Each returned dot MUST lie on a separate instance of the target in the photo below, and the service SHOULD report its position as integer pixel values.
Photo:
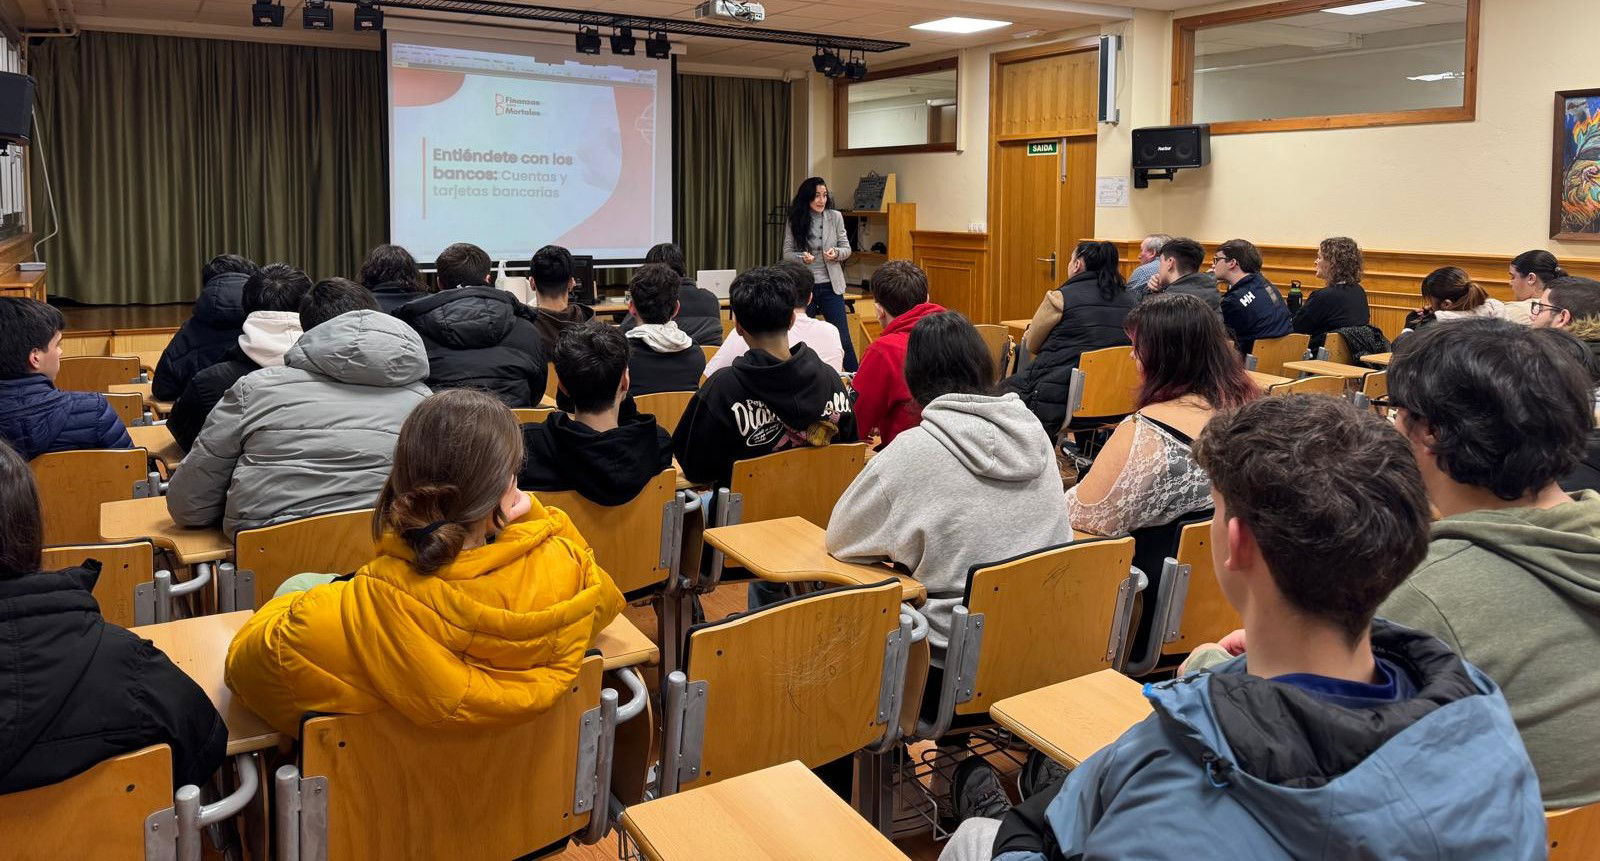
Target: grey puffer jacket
(312, 437)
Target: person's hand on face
(515, 502)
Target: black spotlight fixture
(588, 40)
(827, 62)
(622, 41)
(368, 15)
(266, 14)
(318, 16)
(856, 69)
(657, 46)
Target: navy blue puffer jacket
(218, 318)
(37, 418)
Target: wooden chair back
(710, 349)
(552, 384)
(871, 329)
(1110, 382)
(103, 813)
(123, 568)
(1574, 835)
(146, 345)
(667, 407)
(1375, 385)
(336, 543)
(795, 680)
(72, 484)
(1271, 353)
(1338, 349)
(129, 407)
(727, 326)
(96, 373)
(1309, 386)
(531, 415)
(628, 538)
(1047, 617)
(800, 482)
(398, 790)
(998, 340)
(1207, 615)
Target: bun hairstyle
(456, 453)
(1538, 262)
(1100, 260)
(1452, 289)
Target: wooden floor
(95, 317)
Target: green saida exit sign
(1044, 148)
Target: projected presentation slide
(527, 145)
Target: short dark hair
(1187, 252)
(25, 325)
(1539, 262)
(275, 287)
(21, 521)
(654, 292)
(590, 358)
(552, 271)
(899, 286)
(762, 300)
(387, 264)
(1243, 252)
(1579, 297)
(331, 297)
(800, 274)
(668, 255)
(227, 263)
(1183, 349)
(1332, 496)
(1509, 409)
(946, 355)
(462, 265)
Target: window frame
(841, 109)
(1183, 37)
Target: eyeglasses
(1536, 307)
(1220, 258)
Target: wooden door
(1027, 221)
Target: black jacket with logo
(1254, 309)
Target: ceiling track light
(317, 15)
(658, 46)
(827, 62)
(587, 41)
(368, 16)
(623, 42)
(266, 13)
(856, 68)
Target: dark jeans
(831, 305)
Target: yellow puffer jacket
(493, 637)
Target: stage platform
(99, 318)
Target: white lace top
(1159, 483)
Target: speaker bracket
(1142, 176)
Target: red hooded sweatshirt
(883, 403)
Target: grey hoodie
(1517, 592)
(976, 482)
(312, 437)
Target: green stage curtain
(732, 169)
(165, 151)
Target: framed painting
(1575, 167)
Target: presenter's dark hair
(800, 211)
(226, 263)
(946, 355)
(1100, 259)
(25, 325)
(762, 300)
(21, 524)
(654, 292)
(552, 271)
(463, 265)
(388, 264)
(331, 297)
(276, 287)
(589, 360)
(670, 255)
(800, 274)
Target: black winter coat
(1088, 322)
(480, 337)
(607, 468)
(390, 295)
(205, 391)
(1335, 306)
(38, 418)
(218, 319)
(650, 372)
(76, 690)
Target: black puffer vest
(1089, 321)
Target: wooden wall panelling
(958, 270)
(1047, 100)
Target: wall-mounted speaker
(1169, 149)
(16, 108)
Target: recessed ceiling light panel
(1374, 6)
(960, 25)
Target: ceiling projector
(730, 10)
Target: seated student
(1451, 294)
(1571, 304)
(820, 335)
(928, 501)
(1146, 475)
(210, 331)
(884, 405)
(1531, 272)
(35, 417)
(1496, 413)
(476, 336)
(700, 313)
(78, 689)
(1252, 308)
(662, 357)
(772, 398)
(606, 450)
(1084, 314)
(271, 326)
(1335, 735)
(1181, 260)
(554, 275)
(477, 610)
(1341, 304)
(314, 436)
(391, 273)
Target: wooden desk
(158, 441)
(1071, 720)
(132, 519)
(1267, 380)
(1382, 360)
(1320, 368)
(27, 285)
(160, 408)
(775, 814)
(793, 549)
(624, 645)
(1016, 328)
(199, 647)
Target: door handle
(1050, 260)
